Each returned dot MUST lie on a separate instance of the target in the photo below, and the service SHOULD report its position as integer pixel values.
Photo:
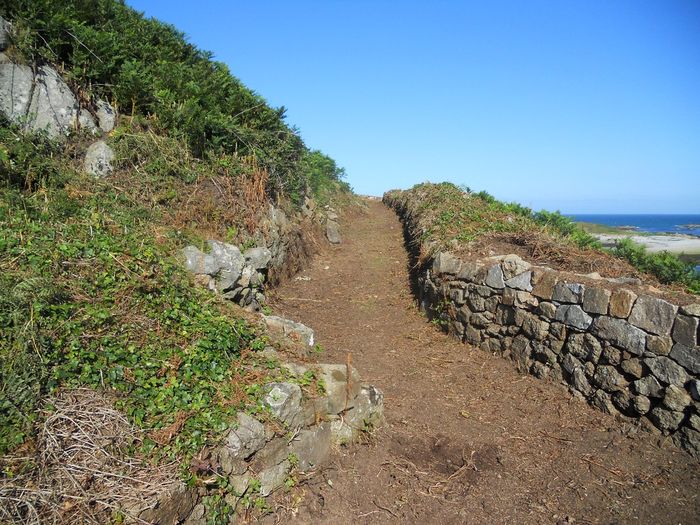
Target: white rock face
(41, 102)
(106, 118)
(98, 159)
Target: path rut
(467, 438)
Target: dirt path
(467, 439)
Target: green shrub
(665, 266)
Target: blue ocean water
(688, 224)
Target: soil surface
(467, 438)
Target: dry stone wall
(615, 343)
(258, 458)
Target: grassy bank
(456, 218)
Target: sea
(687, 224)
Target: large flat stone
(653, 315)
(284, 401)
(446, 263)
(666, 370)
(568, 292)
(620, 333)
(290, 328)
(685, 330)
(520, 282)
(494, 277)
(687, 357)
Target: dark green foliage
(459, 215)
(665, 266)
(567, 228)
(148, 69)
(88, 298)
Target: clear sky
(589, 106)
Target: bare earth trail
(467, 439)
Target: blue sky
(583, 106)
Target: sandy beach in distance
(677, 243)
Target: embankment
(626, 347)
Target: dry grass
(83, 471)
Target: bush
(665, 266)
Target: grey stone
(602, 401)
(653, 315)
(535, 328)
(513, 265)
(106, 117)
(98, 159)
(557, 331)
(595, 300)
(481, 319)
(472, 272)
(520, 352)
(446, 263)
(290, 329)
(258, 258)
(274, 477)
(689, 440)
(694, 421)
(338, 394)
(570, 363)
(491, 304)
(632, 367)
(457, 296)
(623, 402)
(53, 106)
(312, 446)
(641, 404)
(494, 277)
(520, 282)
(691, 309)
(666, 370)
(620, 333)
(539, 370)
(609, 379)
(16, 87)
(172, 505)
(580, 382)
(659, 345)
(621, 302)
(229, 261)
(568, 292)
(685, 330)
(284, 401)
(368, 412)
(676, 398)
(694, 389)
(198, 262)
(241, 442)
(648, 386)
(543, 354)
(472, 335)
(666, 420)
(197, 516)
(610, 355)
(5, 28)
(573, 315)
(476, 303)
(333, 232)
(688, 357)
(547, 310)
